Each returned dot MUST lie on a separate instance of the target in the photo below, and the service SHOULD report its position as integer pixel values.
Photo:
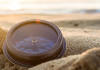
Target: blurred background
(63, 13)
(49, 6)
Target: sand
(69, 21)
(81, 32)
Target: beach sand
(81, 32)
(68, 21)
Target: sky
(27, 1)
(21, 4)
(47, 5)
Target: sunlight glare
(14, 5)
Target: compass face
(34, 38)
(34, 45)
